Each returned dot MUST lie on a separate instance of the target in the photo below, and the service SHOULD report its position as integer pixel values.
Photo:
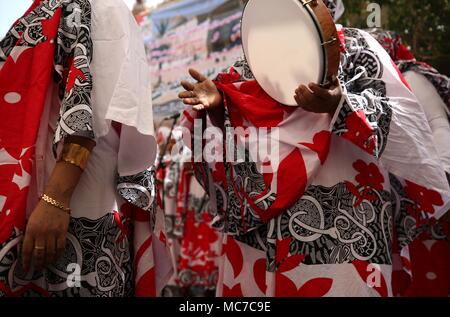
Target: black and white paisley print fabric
(139, 189)
(97, 262)
(360, 75)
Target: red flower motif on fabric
(286, 262)
(369, 178)
(316, 287)
(360, 132)
(369, 175)
(424, 198)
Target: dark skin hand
(317, 99)
(200, 95)
(204, 95)
(47, 226)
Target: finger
(302, 104)
(60, 246)
(298, 100)
(27, 250)
(50, 251)
(303, 88)
(186, 94)
(308, 96)
(198, 107)
(187, 85)
(196, 75)
(39, 253)
(305, 95)
(300, 90)
(191, 101)
(319, 91)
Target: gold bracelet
(49, 200)
(75, 154)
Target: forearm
(65, 176)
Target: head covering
(406, 61)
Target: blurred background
(424, 26)
(205, 34)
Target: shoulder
(105, 5)
(111, 19)
(110, 11)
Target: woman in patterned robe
(75, 71)
(321, 222)
(430, 277)
(200, 243)
(194, 244)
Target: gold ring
(192, 94)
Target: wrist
(50, 200)
(61, 196)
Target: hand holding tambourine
(204, 95)
(294, 53)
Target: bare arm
(46, 231)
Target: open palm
(200, 95)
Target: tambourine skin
(288, 43)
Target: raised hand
(200, 95)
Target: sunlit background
(11, 10)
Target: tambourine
(288, 43)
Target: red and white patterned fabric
(430, 251)
(195, 246)
(406, 61)
(200, 242)
(53, 85)
(321, 224)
